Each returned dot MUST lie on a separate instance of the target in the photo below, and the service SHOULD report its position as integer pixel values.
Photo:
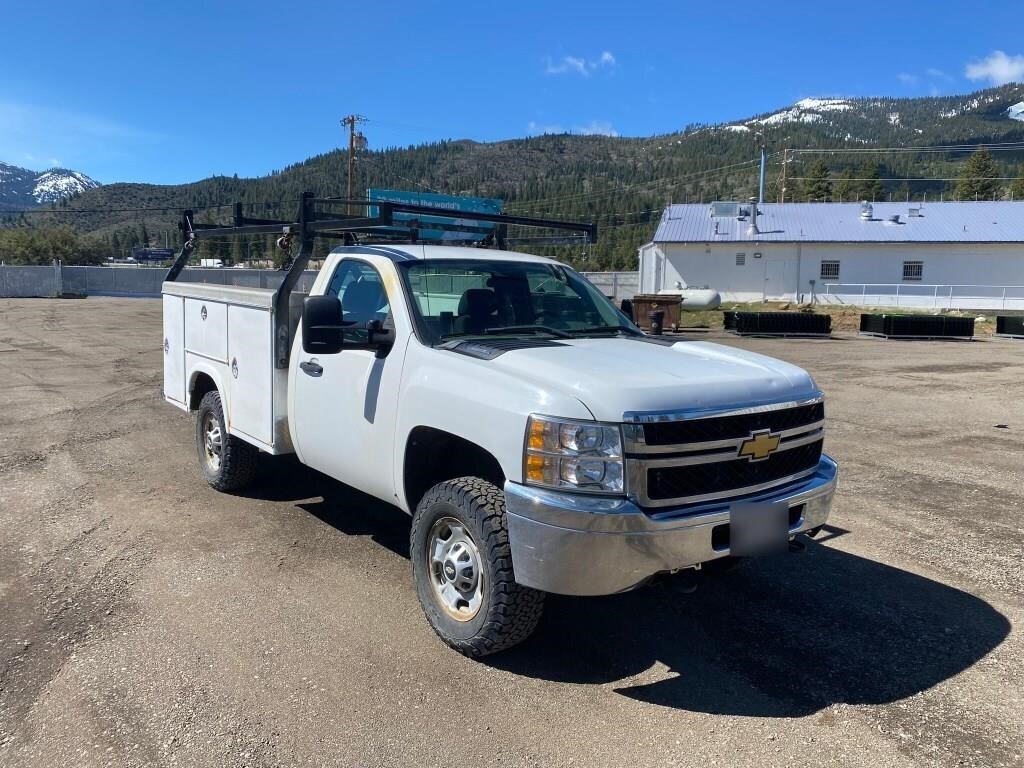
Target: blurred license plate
(758, 528)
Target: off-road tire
(509, 612)
(238, 462)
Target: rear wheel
(462, 565)
(228, 463)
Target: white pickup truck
(539, 440)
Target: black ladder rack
(310, 223)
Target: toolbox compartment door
(206, 329)
(251, 365)
(174, 349)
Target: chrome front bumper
(574, 544)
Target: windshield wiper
(605, 329)
(528, 329)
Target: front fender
(477, 402)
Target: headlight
(580, 455)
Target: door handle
(311, 367)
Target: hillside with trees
(835, 149)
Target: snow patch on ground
(1016, 112)
(823, 105)
(737, 128)
(894, 118)
(789, 116)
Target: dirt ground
(147, 620)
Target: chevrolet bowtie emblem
(760, 445)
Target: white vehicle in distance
(539, 440)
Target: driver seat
(477, 311)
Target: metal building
(948, 254)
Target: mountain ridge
(622, 183)
(22, 188)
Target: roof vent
(867, 211)
(915, 213)
(752, 229)
(894, 219)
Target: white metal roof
(946, 222)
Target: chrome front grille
(693, 457)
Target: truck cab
(539, 440)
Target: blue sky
(174, 92)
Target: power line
(1008, 146)
(902, 178)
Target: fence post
(935, 298)
(3, 281)
(58, 279)
(1004, 297)
(863, 294)
(897, 294)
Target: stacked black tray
(917, 326)
(777, 323)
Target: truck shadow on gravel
(780, 637)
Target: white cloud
(997, 68)
(57, 136)
(907, 78)
(567, 64)
(578, 65)
(938, 74)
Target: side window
(363, 298)
(913, 270)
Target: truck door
(344, 405)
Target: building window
(741, 259)
(830, 270)
(913, 270)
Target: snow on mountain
(22, 188)
(850, 117)
(804, 111)
(823, 105)
(58, 183)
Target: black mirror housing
(322, 325)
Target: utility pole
(785, 165)
(759, 138)
(356, 140)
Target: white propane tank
(695, 299)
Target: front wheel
(462, 565)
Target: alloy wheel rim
(213, 441)
(453, 562)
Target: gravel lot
(147, 620)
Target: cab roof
(420, 251)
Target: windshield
(456, 298)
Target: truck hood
(616, 376)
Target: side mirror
(322, 325)
(627, 309)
